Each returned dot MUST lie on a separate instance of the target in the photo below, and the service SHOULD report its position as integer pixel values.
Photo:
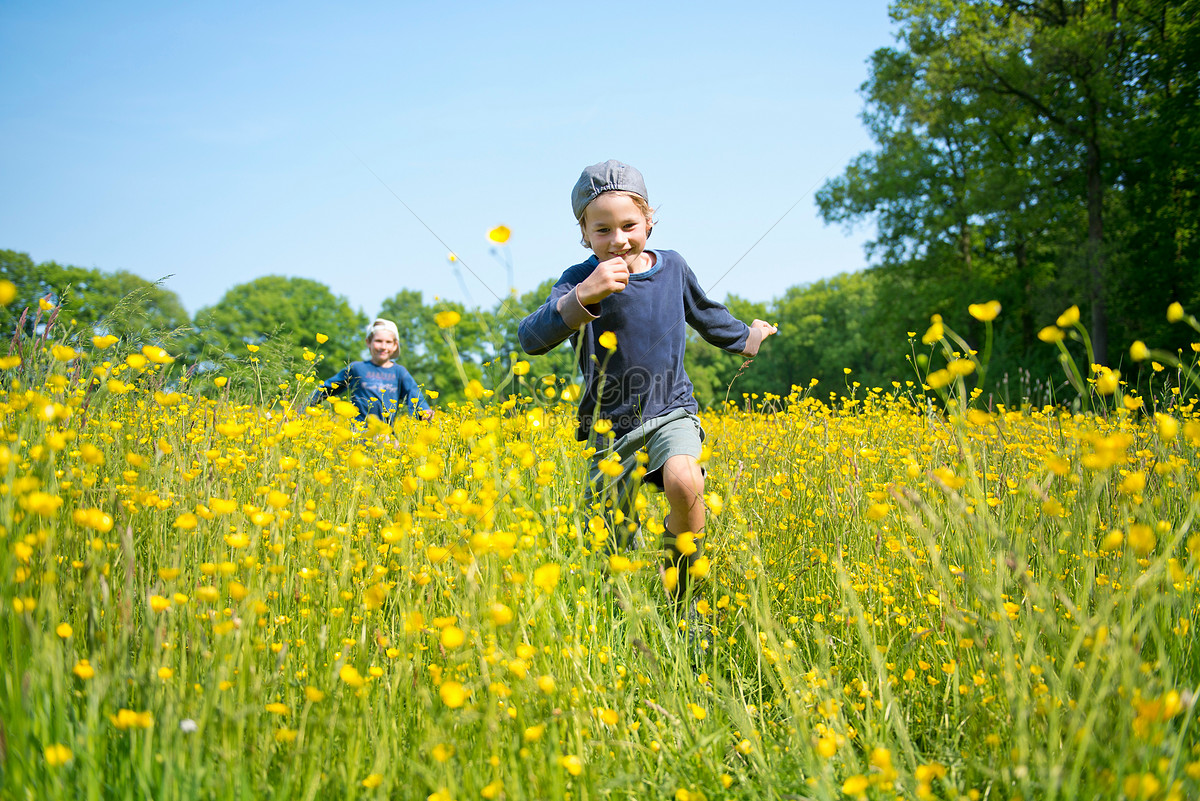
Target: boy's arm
(717, 325)
(333, 386)
(562, 315)
(413, 397)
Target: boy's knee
(683, 480)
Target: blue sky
(217, 142)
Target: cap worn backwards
(608, 176)
(381, 324)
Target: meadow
(907, 592)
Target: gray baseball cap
(608, 176)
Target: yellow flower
(985, 312)
(1069, 317)
(44, 304)
(322, 339)
(1138, 351)
(533, 734)
(1168, 426)
(1051, 334)
(453, 694)
(1133, 483)
(452, 637)
(57, 754)
(501, 614)
(63, 353)
(159, 603)
(351, 676)
(520, 368)
(1142, 539)
(128, 719)
(372, 780)
(313, 694)
(939, 378)
(611, 466)
(546, 577)
(1107, 381)
(8, 292)
(961, 367)
(83, 669)
(277, 708)
(64, 630)
(608, 340)
(156, 354)
(447, 319)
(935, 331)
(670, 578)
(1174, 313)
(104, 342)
(499, 234)
(220, 381)
(572, 764)
(699, 712)
(855, 785)
(41, 503)
(451, 257)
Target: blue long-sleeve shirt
(644, 377)
(375, 390)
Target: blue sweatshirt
(644, 377)
(375, 390)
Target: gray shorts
(676, 433)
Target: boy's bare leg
(683, 484)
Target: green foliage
(1039, 153)
(93, 302)
(283, 314)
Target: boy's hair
(642, 204)
(381, 324)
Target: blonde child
(623, 310)
(378, 387)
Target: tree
(282, 316)
(1027, 150)
(92, 301)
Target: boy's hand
(766, 328)
(608, 277)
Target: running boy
(623, 310)
(379, 387)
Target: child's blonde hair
(642, 204)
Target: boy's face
(614, 226)
(383, 347)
